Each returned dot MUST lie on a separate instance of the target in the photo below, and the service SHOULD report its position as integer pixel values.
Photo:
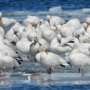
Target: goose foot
(79, 70)
(27, 59)
(82, 72)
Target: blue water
(42, 5)
(50, 87)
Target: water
(50, 87)
(32, 76)
(42, 5)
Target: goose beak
(49, 20)
(35, 25)
(34, 41)
(78, 35)
(37, 51)
(60, 42)
(40, 22)
(0, 18)
(87, 23)
(85, 29)
(46, 50)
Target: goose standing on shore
(6, 22)
(34, 47)
(79, 59)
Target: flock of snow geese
(44, 40)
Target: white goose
(59, 46)
(54, 19)
(88, 20)
(4, 47)
(82, 47)
(26, 31)
(67, 30)
(32, 20)
(75, 23)
(49, 59)
(23, 46)
(11, 35)
(34, 47)
(6, 22)
(48, 34)
(10, 44)
(79, 59)
(7, 62)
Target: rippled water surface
(42, 5)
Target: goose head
(15, 29)
(45, 49)
(36, 39)
(48, 18)
(0, 16)
(40, 49)
(35, 24)
(53, 28)
(13, 21)
(88, 22)
(77, 35)
(6, 42)
(84, 25)
(58, 38)
(28, 27)
(41, 21)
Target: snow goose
(82, 47)
(10, 44)
(88, 20)
(23, 46)
(11, 35)
(4, 47)
(79, 59)
(26, 31)
(6, 22)
(75, 23)
(50, 60)
(54, 19)
(32, 34)
(59, 46)
(48, 34)
(67, 30)
(84, 25)
(7, 62)
(34, 47)
(80, 31)
(32, 20)
(44, 48)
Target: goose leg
(82, 72)
(4, 72)
(0, 73)
(49, 73)
(79, 70)
(27, 59)
(5, 30)
(52, 70)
